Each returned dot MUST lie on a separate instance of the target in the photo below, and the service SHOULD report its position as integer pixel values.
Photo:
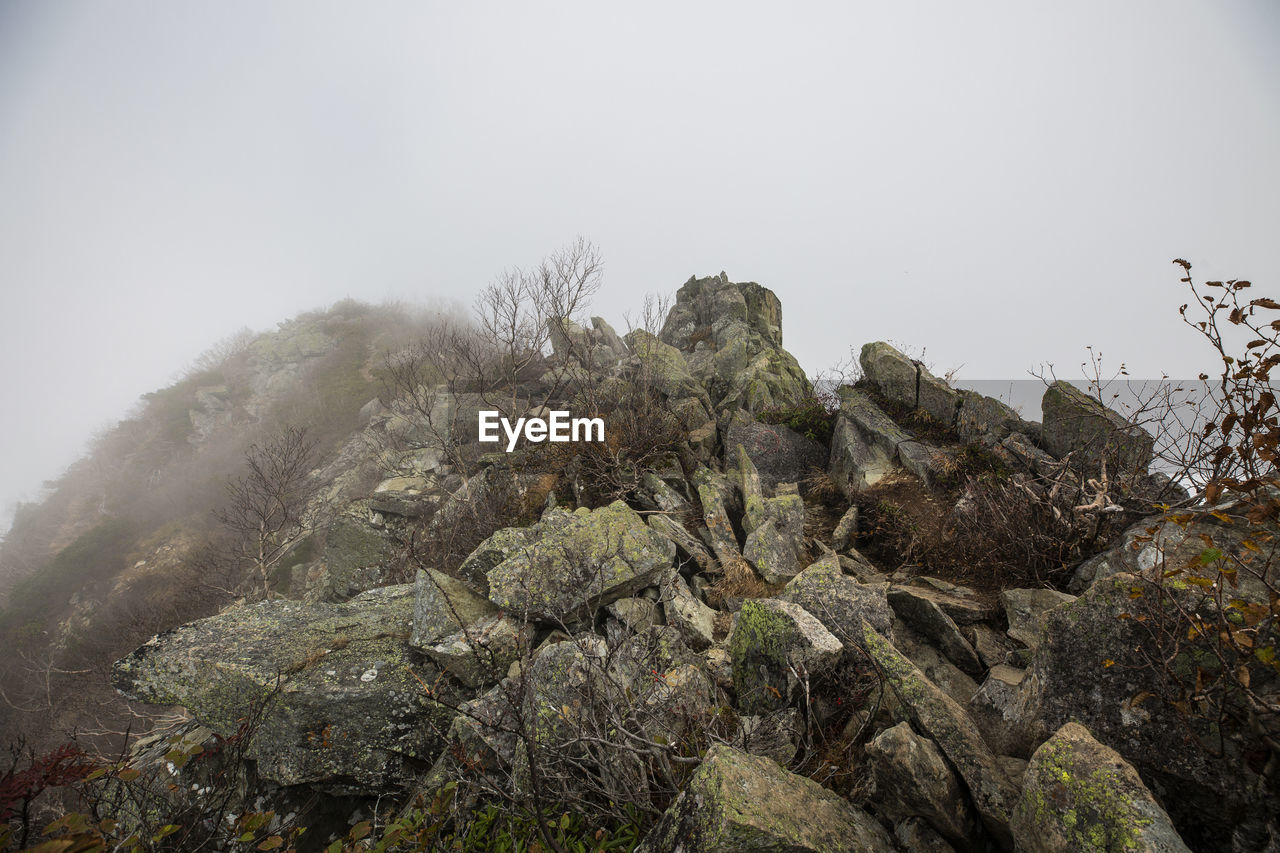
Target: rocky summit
(892, 616)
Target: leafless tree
(269, 508)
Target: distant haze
(999, 183)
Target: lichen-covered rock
(442, 605)
(686, 613)
(502, 544)
(913, 779)
(1079, 795)
(578, 562)
(779, 453)
(1076, 423)
(945, 722)
(731, 334)
(480, 654)
(1090, 667)
(1025, 609)
(737, 803)
(771, 640)
(688, 547)
(344, 707)
(924, 614)
(774, 526)
(864, 443)
(716, 495)
(908, 383)
(839, 602)
(355, 557)
(981, 416)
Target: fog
(998, 184)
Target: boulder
(716, 495)
(779, 453)
(1076, 423)
(907, 382)
(924, 614)
(578, 562)
(1079, 795)
(770, 642)
(735, 803)
(355, 556)
(839, 602)
(480, 654)
(731, 334)
(864, 443)
(913, 779)
(774, 526)
(980, 416)
(1025, 608)
(1092, 667)
(342, 699)
(945, 722)
(686, 613)
(442, 605)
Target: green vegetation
(813, 417)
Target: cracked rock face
(342, 704)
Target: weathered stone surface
(958, 603)
(916, 835)
(442, 605)
(846, 529)
(913, 779)
(735, 803)
(480, 654)
(1076, 423)
(908, 383)
(716, 495)
(945, 722)
(731, 334)
(686, 613)
(769, 640)
(864, 443)
(774, 526)
(771, 735)
(578, 562)
(927, 617)
(993, 647)
(403, 504)
(687, 545)
(355, 556)
(839, 602)
(1089, 669)
(1025, 609)
(981, 416)
(636, 613)
(779, 453)
(1079, 795)
(344, 706)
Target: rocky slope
(762, 640)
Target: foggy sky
(1001, 184)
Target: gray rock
(686, 613)
(912, 779)
(945, 722)
(1081, 795)
(344, 708)
(442, 605)
(846, 529)
(578, 562)
(1076, 423)
(839, 602)
(917, 836)
(1025, 609)
(864, 443)
(779, 453)
(924, 614)
(480, 654)
(770, 642)
(908, 383)
(736, 802)
(981, 416)
(687, 545)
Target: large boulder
(774, 526)
(442, 605)
(342, 702)
(912, 779)
(735, 803)
(839, 602)
(1079, 795)
(731, 334)
(943, 720)
(779, 453)
(1078, 424)
(579, 561)
(906, 382)
(770, 643)
(864, 443)
(1098, 664)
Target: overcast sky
(1001, 184)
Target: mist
(996, 186)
